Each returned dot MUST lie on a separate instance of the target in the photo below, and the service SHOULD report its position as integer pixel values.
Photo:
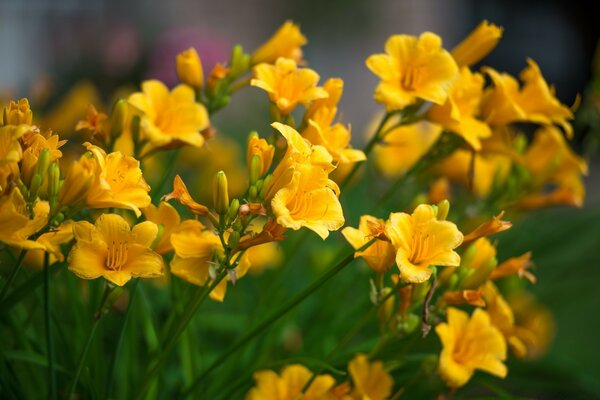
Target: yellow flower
(553, 165)
(380, 255)
(51, 242)
(534, 102)
(77, 181)
(286, 42)
(18, 113)
(480, 260)
(470, 344)
(371, 380)
(413, 68)
(167, 218)
(534, 324)
(260, 147)
(169, 117)
(34, 143)
(460, 111)
(288, 385)
(320, 129)
(287, 85)
(180, 193)
(95, 122)
(10, 153)
(111, 249)
(189, 68)
(15, 224)
(404, 146)
(421, 240)
(196, 250)
(302, 194)
(480, 42)
(515, 266)
(118, 181)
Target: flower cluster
(446, 126)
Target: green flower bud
(443, 209)
(234, 240)
(221, 193)
(266, 183)
(252, 193)
(255, 167)
(43, 162)
(233, 209)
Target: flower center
(117, 255)
(409, 79)
(420, 247)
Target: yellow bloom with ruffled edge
(413, 68)
(288, 385)
(301, 194)
(371, 380)
(286, 42)
(169, 117)
(17, 113)
(535, 101)
(10, 153)
(196, 249)
(380, 255)
(321, 130)
(404, 146)
(34, 142)
(480, 42)
(261, 148)
(459, 114)
(111, 249)
(470, 344)
(421, 241)
(189, 68)
(118, 181)
(287, 85)
(16, 227)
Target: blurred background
(96, 48)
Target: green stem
(49, 342)
(82, 358)
(185, 319)
(113, 361)
(13, 274)
(266, 323)
(81, 362)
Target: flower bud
(36, 182)
(43, 162)
(260, 147)
(240, 61)
(117, 118)
(189, 68)
(221, 193)
(234, 240)
(135, 129)
(53, 184)
(255, 168)
(265, 187)
(233, 209)
(252, 193)
(443, 210)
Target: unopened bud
(252, 193)
(443, 209)
(117, 118)
(34, 187)
(53, 184)
(233, 209)
(266, 183)
(234, 240)
(240, 61)
(135, 129)
(221, 193)
(189, 68)
(43, 162)
(255, 168)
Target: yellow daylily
(167, 218)
(288, 385)
(180, 193)
(534, 102)
(11, 153)
(421, 240)
(118, 181)
(470, 344)
(34, 142)
(16, 227)
(552, 163)
(111, 249)
(286, 42)
(18, 113)
(169, 117)
(301, 193)
(262, 148)
(51, 242)
(460, 111)
(480, 42)
(320, 129)
(287, 85)
(370, 380)
(413, 68)
(380, 255)
(490, 227)
(189, 68)
(196, 249)
(515, 266)
(480, 260)
(404, 146)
